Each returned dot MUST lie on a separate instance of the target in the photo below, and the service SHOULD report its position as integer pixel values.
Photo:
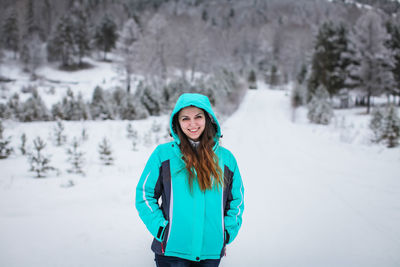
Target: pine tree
(14, 106)
(106, 35)
(375, 124)
(34, 109)
(252, 80)
(393, 43)
(100, 107)
(61, 45)
(319, 108)
(59, 136)
(372, 73)
(5, 150)
(40, 163)
(22, 147)
(81, 34)
(329, 62)
(75, 157)
(132, 135)
(149, 99)
(71, 108)
(391, 127)
(11, 33)
(105, 152)
(130, 132)
(84, 135)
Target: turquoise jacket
(191, 225)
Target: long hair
(201, 161)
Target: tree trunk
(368, 102)
(128, 82)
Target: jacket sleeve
(147, 194)
(233, 217)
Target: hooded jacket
(191, 225)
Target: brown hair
(200, 161)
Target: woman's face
(192, 121)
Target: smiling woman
(192, 122)
(200, 186)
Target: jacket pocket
(164, 239)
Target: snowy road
(309, 201)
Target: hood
(196, 100)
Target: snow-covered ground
(314, 195)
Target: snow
(53, 83)
(312, 197)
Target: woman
(200, 187)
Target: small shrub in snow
(22, 147)
(156, 127)
(147, 139)
(84, 135)
(5, 150)
(105, 152)
(320, 109)
(60, 137)
(391, 127)
(375, 124)
(75, 157)
(40, 163)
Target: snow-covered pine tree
(319, 108)
(329, 62)
(10, 32)
(105, 152)
(106, 35)
(252, 80)
(71, 108)
(127, 49)
(75, 157)
(14, 106)
(84, 135)
(100, 107)
(391, 127)
(34, 109)
(5, 149)
(148, 138)
(59, 137)
(156, 129)
(372, 74)
(129, 109)
(132, 135)
(376, 124)
(22, 147)
(40, 163)
(130, 132)
(149, 98)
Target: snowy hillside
(314, 196)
